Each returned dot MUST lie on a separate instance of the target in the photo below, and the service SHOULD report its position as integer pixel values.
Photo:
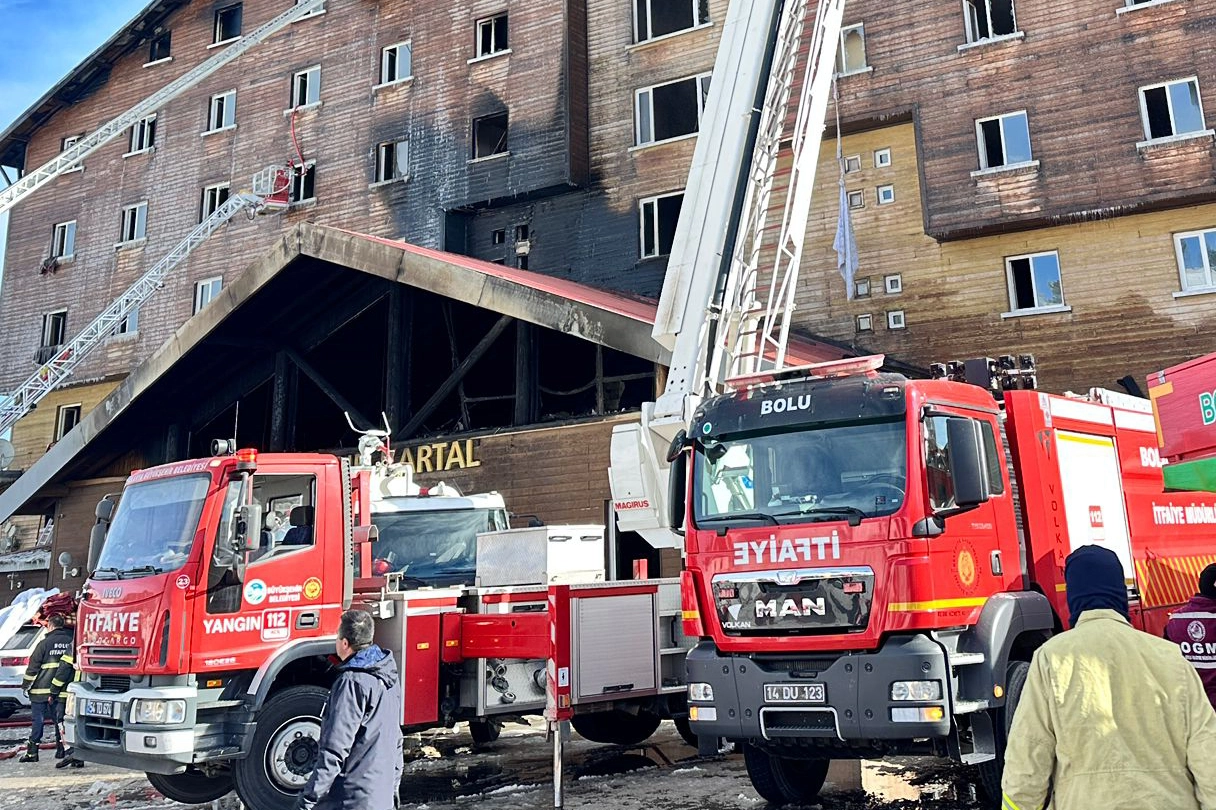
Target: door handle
(308, 620)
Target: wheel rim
(292, 753)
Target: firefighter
(1193, 628)
(50, 669)
(1109, 717)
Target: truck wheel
(192, 787)
(484, 731)
(781, 781)
(1002, 721)
(616, 727)
(284, 749)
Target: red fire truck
(216, 589)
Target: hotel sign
(442, 456)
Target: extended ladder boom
(71, 157)
(60, 367)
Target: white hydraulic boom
(71, 157)
(721, 313)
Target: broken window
(143, 135)
(498, 237)
(158, 47)
(63, 240)
(206, 291)
(522, 233)
(658, 18)
(227, 23)
(67, 418)
(134, 222)
(851, 58)
(54, 329)
(490, 136)
(671, 110)
(1172, 108)
(1196, 259)
(392, 160)
(222, 112)
(1034, 281)
(1003, 140)
(492, 36)
(129, 324)
(396, 63)
(303, 183)
(213, 197)
(986, 19)
(306, 87)
(659, 217)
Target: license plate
(795, 693)
(99, 708)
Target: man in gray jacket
(359, 760)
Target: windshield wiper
(765, 516)
(140, 571)
(855, 515)
(111, 573)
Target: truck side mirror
(105, 509)
(967, 466)
(248, 527)
(677, 492)
(97, 535)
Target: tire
(284, 749)
(781, 781)
(1002, 722)
(616, 727)
(484, 731)
(685, 728)
(192, 787)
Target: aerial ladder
(724, 312)
(269, 193)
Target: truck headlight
(916, 690)
(158, 711)
(700, 691)
(69, 705)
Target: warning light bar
(247, 459)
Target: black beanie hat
(1094, 579)
(1207, 582)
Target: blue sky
(43, 41)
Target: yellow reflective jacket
(1111, 719)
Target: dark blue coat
(360, 758)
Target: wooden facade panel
(30, 434)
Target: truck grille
(103, 731)
(112, 657)
(114, 683)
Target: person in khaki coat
(1110, 717)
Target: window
(63, 240)
(893, 284)
(865, 323)
(134, 222)
(392, 161)
(1003, 140)
(1196, 259)
(54, 329)
(987, 19)
(851, 57)
(66, 418)
(861, 288)
(213, 197)
(206, 291)
(659, 217)
(658, 18)
(852, 163)
(857, 199)
(498, 237)
(306, 87)
(490, 136)
(143, 135)
(886, 195)
(671, 110)
(158, 47)
(1171, 109)
(221, 113)
(492, 36)
(129, 325)
(303, 183)
(227, 23)
(882, 158)
(68, 142)
(895, 319)
(1034, 281)
(522, 233)
(521, 262)
(396, 63)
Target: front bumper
(13, 698)
(857, 703)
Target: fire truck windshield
(153, 528)
(434, 547)
(832, 472)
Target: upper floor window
(306, 87)
(392, 161)
(159, 47)
(1003, 140)
(303, 183)
(988, 19)
(54, 329)
(129, 325)
(1196, 253)
(206, 291)
(67, 417)
(213, 197)
(658, 18)
(490, 135)
(227, 23)
(1034, 281)
(659, 217)
(492, 36)
(671, 110)
(1171, 108)
(143, 135)
(63, 240)
(221, 112)
(851, 58)
(134, 222)
(396, 63)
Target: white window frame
(61, 412)
(981, 142)
(1208, 270)
(1011, 286)
(842, 68)
(157, 60)
(211, 201)
(206, 291)
(297, 177)
(134, 223)
(395, 50)
(46, 323)
(643, 98)
(885, 195)
(1174, 134)
(221, 112)
(142, 136)
(882, 158)
(217, 29)
(66, 143)
(68, 240)
(896, 319)
(494, 49)
(972, 31)
(312, 88)
(128, 326)
(654, 227)
(392, 161)
(695, 17)
(852, 163)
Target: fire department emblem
(1196, 631)
(312, 588)
(964, 567)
